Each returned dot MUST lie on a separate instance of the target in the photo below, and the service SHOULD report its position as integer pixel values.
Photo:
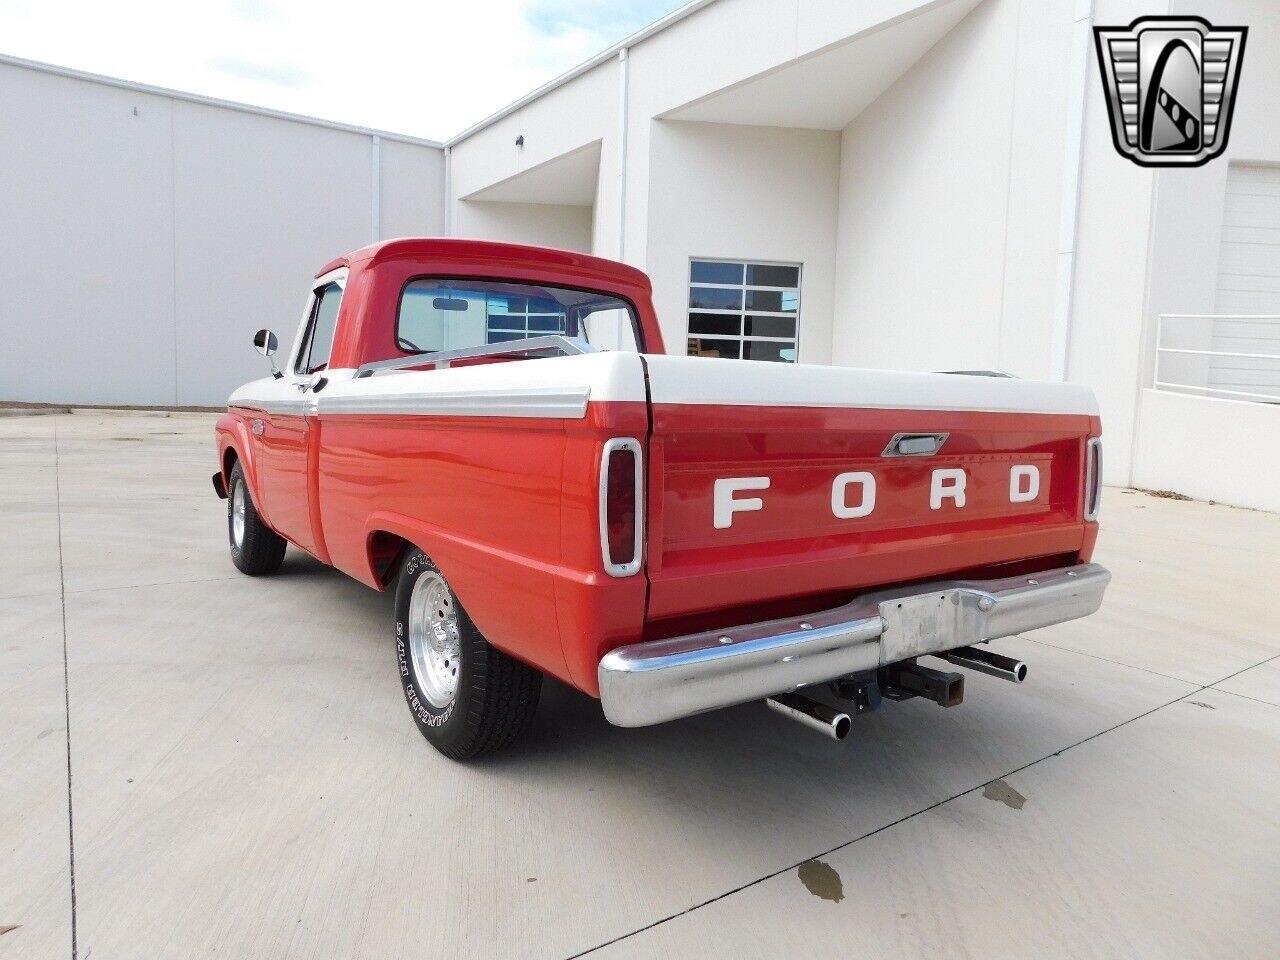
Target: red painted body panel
(796, 545)
(508, 509)
(284, 485)
(508, 506)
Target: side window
(609, 328)
(318, 343)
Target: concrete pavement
(245, 780)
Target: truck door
(283, 454)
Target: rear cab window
(441, 313)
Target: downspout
(448, 191)
(623, 65)
(1069, 216)
(375, 166)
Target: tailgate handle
(915, 444)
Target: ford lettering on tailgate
(854, 493)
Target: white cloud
(428, 68)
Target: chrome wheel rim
(435, 651)
(237, 515)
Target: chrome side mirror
(265, 342)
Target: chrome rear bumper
(661, 680)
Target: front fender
(234, 433)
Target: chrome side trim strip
(662, 680)
(284, 408)
(549, 402)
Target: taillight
(1093, 479)
(621, 507)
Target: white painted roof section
(211, 101)
(674, 17)
(704, 380)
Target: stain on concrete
(821, 879)
(1166, 494)
(5, 928)
(1001, 792)
(1201, 703)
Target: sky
(429, 69)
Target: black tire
(260, 549)
(493, 696)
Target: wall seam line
(1008, 191)
(173, 236)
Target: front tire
(467, 697)
(256, 549)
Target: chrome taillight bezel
(1093, 479)
(631, 567)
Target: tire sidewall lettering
(423, 712)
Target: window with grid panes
(744, 310)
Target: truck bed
(501, 461)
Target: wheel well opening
(385, 553)
(229, 460)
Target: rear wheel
(256, 549)
(467, 697)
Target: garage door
(1248, 299)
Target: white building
(923, 185)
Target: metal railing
(1234, 356)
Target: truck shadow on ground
(717, 774)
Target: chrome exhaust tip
(984, 661)
(811, 713)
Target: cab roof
(436, 252)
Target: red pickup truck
(496, 431)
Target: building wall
(1112, 246)
(924, 190)
(718, 47)
(540, 224)
(579, 113)
(146, 237)
(86, 249)
(1209, 448)
(411, 190)
(743, 193)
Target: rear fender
(510, 598)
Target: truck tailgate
(799, 428)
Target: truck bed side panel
(506, 504)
